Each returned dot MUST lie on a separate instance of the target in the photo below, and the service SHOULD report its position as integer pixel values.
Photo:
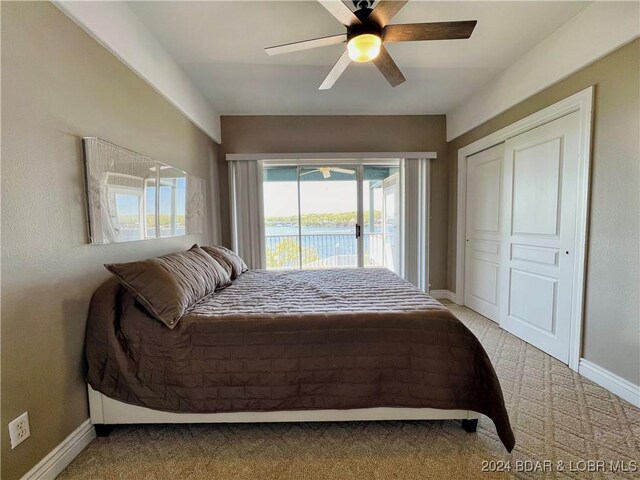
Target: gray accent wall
(611, 333)
(58, 85)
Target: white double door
(521, 234)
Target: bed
(317, 345)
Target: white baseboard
(612, 382)
(57, 460)
(443, 295)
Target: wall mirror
(131, 197)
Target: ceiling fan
(368, 30)
(326, 171)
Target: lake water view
(321, 246)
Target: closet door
(484, 231)
(541, 175)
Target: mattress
(289, 340)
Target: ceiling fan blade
(348, 171)
(306, 44)
(412, 32)
(340, 66)
(339, 10)
(388, 67)
(385, 11)
(310, 171)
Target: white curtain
(416, 221)
(247, 217)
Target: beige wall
(612, 309)
(295, 134)
(59, 85)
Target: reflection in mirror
(150, 206)
(173, 183)
(132, 197)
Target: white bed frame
(107, 411)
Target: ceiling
(219, 44)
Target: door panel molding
(489, 297)
(579, 102)
(537, 218)
(531, 311)
(487, 246)
(535, 254)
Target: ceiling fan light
(364, 48)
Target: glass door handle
(358, 231)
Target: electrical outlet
(19, 430)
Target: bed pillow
(230, 260)
(168, 286)
(223, 279)
(221, 258)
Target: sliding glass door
(382, 221)
(281, 217)
(332, 215)
(329, 216)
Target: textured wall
(612, 310)
(295, 134)
(58, 85)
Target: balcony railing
(323, 250)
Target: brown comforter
(326, 339)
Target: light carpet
(556, 414)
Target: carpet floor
(557, 416)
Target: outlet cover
(19, 430)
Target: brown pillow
(168, 286)
(221, 258)
(230, 260)
(223, 279)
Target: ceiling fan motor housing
(364, 28)
(363, 4)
